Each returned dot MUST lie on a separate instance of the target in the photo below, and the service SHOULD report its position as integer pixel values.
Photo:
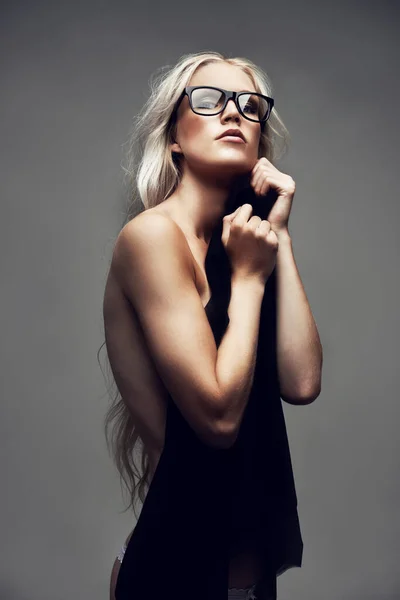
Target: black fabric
(204, 504)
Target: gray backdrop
(72, 78)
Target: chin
(236, 167)
(224, 165)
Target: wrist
(254, 283)
(283, 235)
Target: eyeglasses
(208, 100)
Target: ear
(175, 147)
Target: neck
(199, 203)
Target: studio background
(73, 75)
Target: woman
(163, 344)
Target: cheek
(256, 137)
(256, 144)
(196, 135)
(198, 130)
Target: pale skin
(209, 168)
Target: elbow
(218, 431)
(302, 394)
(302, 399)
(219, 434)
(312, 393)
(224, 434)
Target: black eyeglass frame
(228, 95)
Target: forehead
(224, 75)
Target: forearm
(237, 352)
(299, 349)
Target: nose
(231, 110)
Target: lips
(232, 132)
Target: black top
(205, 504)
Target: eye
(206, 99)
(205, 103)
(251, 106)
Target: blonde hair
(153, 172)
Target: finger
(264, 227)
(263, 162)
(243, 215)
(264, 187)
(258, 179)
(276, 184)
(226, 225)
(231, 216)
(254, 222)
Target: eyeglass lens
(208, 101)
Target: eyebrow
(248, 92)
(217, 86)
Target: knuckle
(291, 183)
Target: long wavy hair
(152, 173)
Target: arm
(209, 386)
(299, 349)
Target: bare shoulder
(152, 231)
(151, 221)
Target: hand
(250, 244)
(265, 176)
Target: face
(197, 135)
